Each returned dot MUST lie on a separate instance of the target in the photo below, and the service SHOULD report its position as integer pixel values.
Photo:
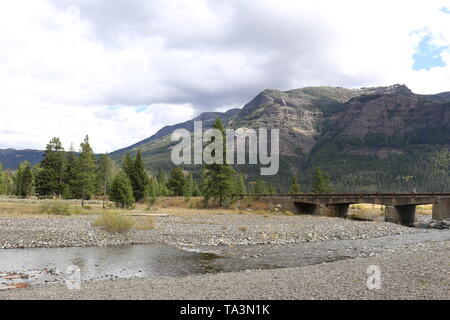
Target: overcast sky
(119, 70)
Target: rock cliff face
(368, 139)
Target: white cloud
(71, 67)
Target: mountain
(369, 139)
(377, 139)
(10, 158)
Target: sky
(119, 70)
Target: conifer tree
(70, 174)
(321, 182)
(23, 180)
(104, 175)
(50, 178)
(85, 177)
(150, 191)
(196, 189)
(2, 181)
(177, 182)
(219, 179)
(189, 185)
(240, 185)
(121, 192)
(260, 187)
(139, 178)
(295, 187)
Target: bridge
(400, 207)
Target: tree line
(81, 175)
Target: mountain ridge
(368, 138)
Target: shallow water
(23, 267)
(46, 265)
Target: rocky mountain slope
(368, 139)
(10, 158)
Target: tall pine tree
(219, 179)
(50, 178)
(321, 182)
(85, 177)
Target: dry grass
(366, 208)
(425, 209)
(144, 223)
(114, 222)
(180, 206)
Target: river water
(47, 265)
(24, 267)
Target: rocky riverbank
(191, 231)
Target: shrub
(113, 222)
(56, 207)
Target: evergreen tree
(240, 185)
(139, 178)
(2, 181)
(219, 179)
(50, 179)
(295, 187)
(85, 177)
(128, 166)
(23, 180)
(121, 192)
(271, 188)
(150, 191)
(177, 182)
(196, 189)
(189, 185)
(321, 182)
(260, 187)
(104, 175)
(70, 175)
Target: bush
(114, 222)
(56, 207)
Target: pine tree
(150, 191)
(70, 175)
(128, 165)
(196, 189)
(49, 181)
(321, 182)
(139, 178)
(2, 181)
(260, 187)
(104, 176)
(177, 182)
(189, 185)
(271, 188)
(295, 187)
(121, 192)
(219, 179)
(240, 185)
(23, 180)
(85, 177)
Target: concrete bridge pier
(441, 209)
(404, 214)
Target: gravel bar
(192, 231)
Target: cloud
(119, 70)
